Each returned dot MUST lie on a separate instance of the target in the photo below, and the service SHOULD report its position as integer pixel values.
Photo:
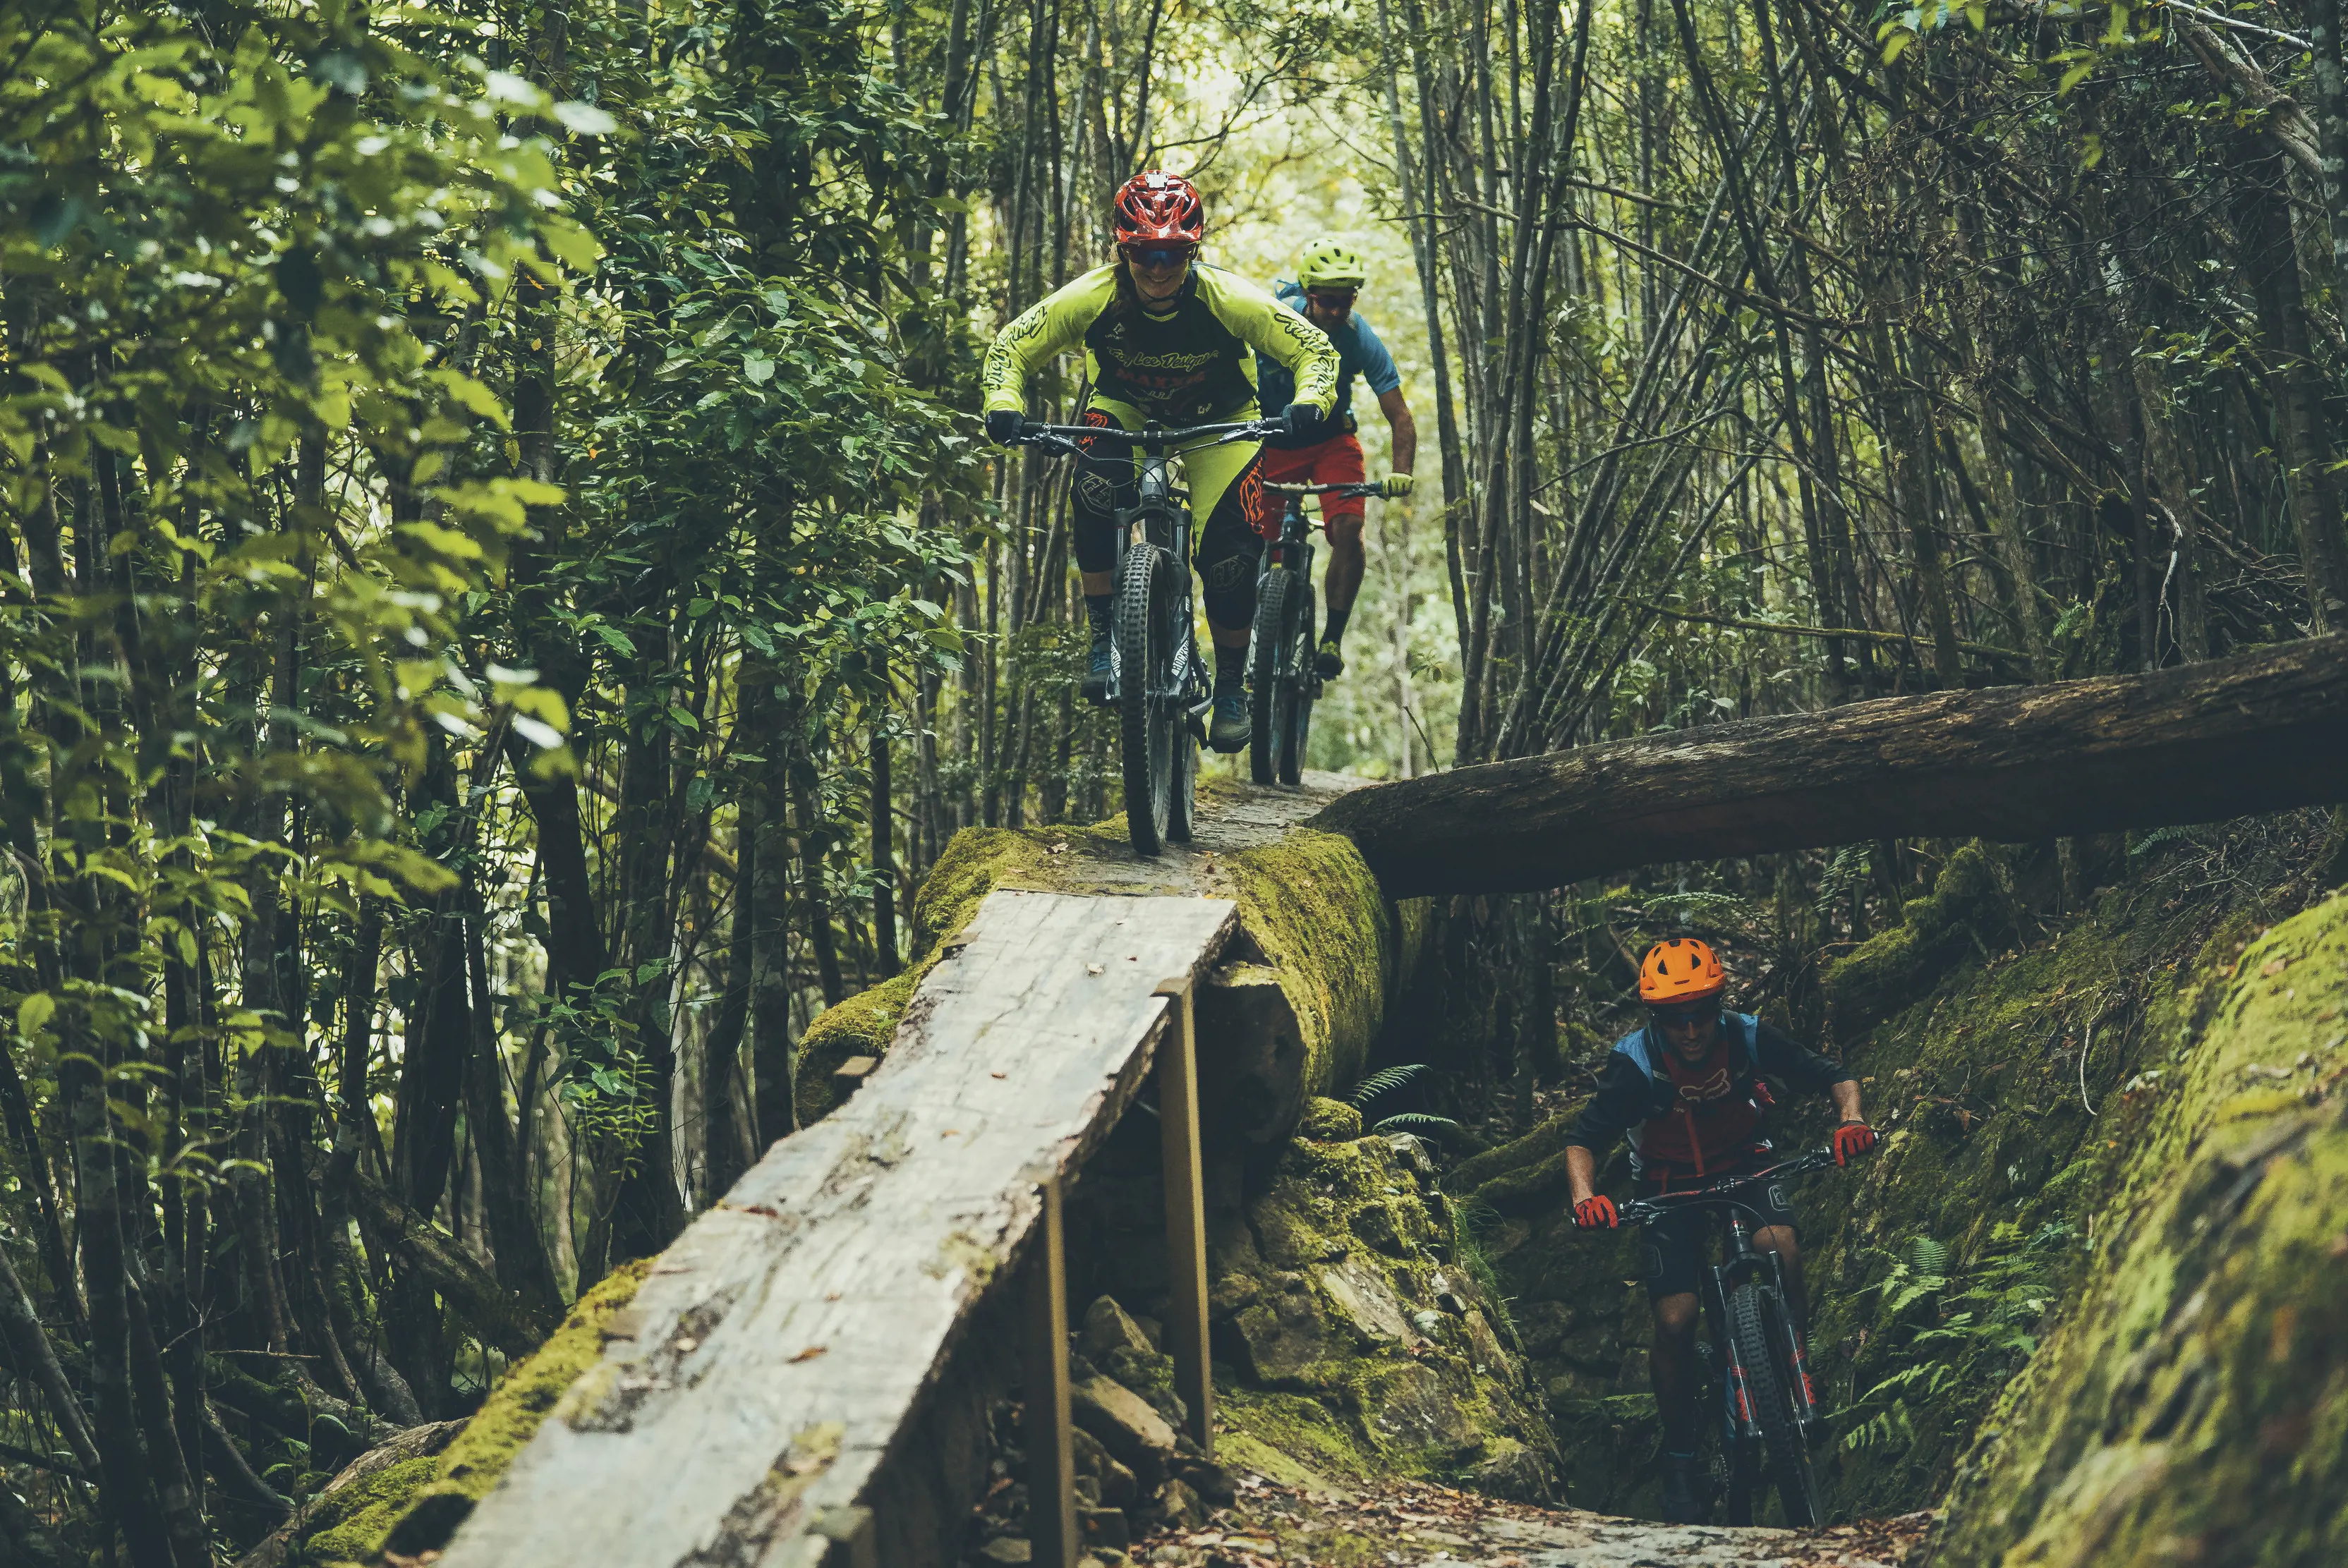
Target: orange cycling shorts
(1336, 461)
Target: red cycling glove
(1596, 1214)
(1851, 1140)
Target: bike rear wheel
(1147, 720)
(1294, 719)
(1273, 591)
(1765, 1345)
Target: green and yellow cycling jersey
(1191, 364)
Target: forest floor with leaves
(1409, 1523)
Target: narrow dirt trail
(1406, 1524)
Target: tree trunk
(2262, 209)
(2197, 743)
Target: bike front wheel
(1764, 1342)
(1272, 592)
(1293, 719)
(1146, 718)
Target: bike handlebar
(1064, 437)
(1639, 1211)
(1368, 489)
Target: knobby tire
(1145, 729)
(1271, 594)
(1763, 1342)
(1294, 721)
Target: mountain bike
(1759, 1364)
(1282, 681)
(1156, 681)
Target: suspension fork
(1744, 1420)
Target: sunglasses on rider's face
(1336, 303)
(1687, 1013)
(1159, 256)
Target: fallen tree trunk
(2263, 731)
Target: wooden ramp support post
(1047, 1423)
(1186, 1211)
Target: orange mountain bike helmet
(1156, 208)
(1680, 969)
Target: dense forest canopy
(504, 594)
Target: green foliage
(1386, 1081)
(1441, 1128)
(1975, 1328)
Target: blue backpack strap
(1749, 1029)
(1634, 1046)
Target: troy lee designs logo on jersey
(1161, 361)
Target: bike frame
(1159, 516)
(1744, 1262)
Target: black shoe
(1096, 685)
(1682, 1499)
(1329, 663)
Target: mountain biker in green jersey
(1687, 1091)
(1329, 275)
(1169, 339)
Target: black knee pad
(1100, 488)
(1229, 554)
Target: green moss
(1532, 1149)
(1312, 905)
(1966, 913)
(1329, 1121)
(861, 1025)
(349, 1525)
(508, 1420)
(1352, 1304)
(2192, 1400)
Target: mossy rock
(2191, 1403)
(416, 1505)
(1329, 1121)
(1357, 1337)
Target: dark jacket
(1689, 1123)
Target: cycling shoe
(1095, 686)
(1231, 728)
(1681, 1502)
(1329, 663)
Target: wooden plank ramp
(776, 1360)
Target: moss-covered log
(2192, 1404)
(1292, 1015)
(412, 1505)
(2197, 744)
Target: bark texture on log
(2263, 731)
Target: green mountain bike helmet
(1330, 263)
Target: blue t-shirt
(1359, 352)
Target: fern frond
(1386, 1081)
(1425, 1126)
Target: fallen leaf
(811, 1352)
(996, 1075)
(1092, 968)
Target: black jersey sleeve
(1803, 1070)
(1619, 1104)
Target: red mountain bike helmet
(1155, 207)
